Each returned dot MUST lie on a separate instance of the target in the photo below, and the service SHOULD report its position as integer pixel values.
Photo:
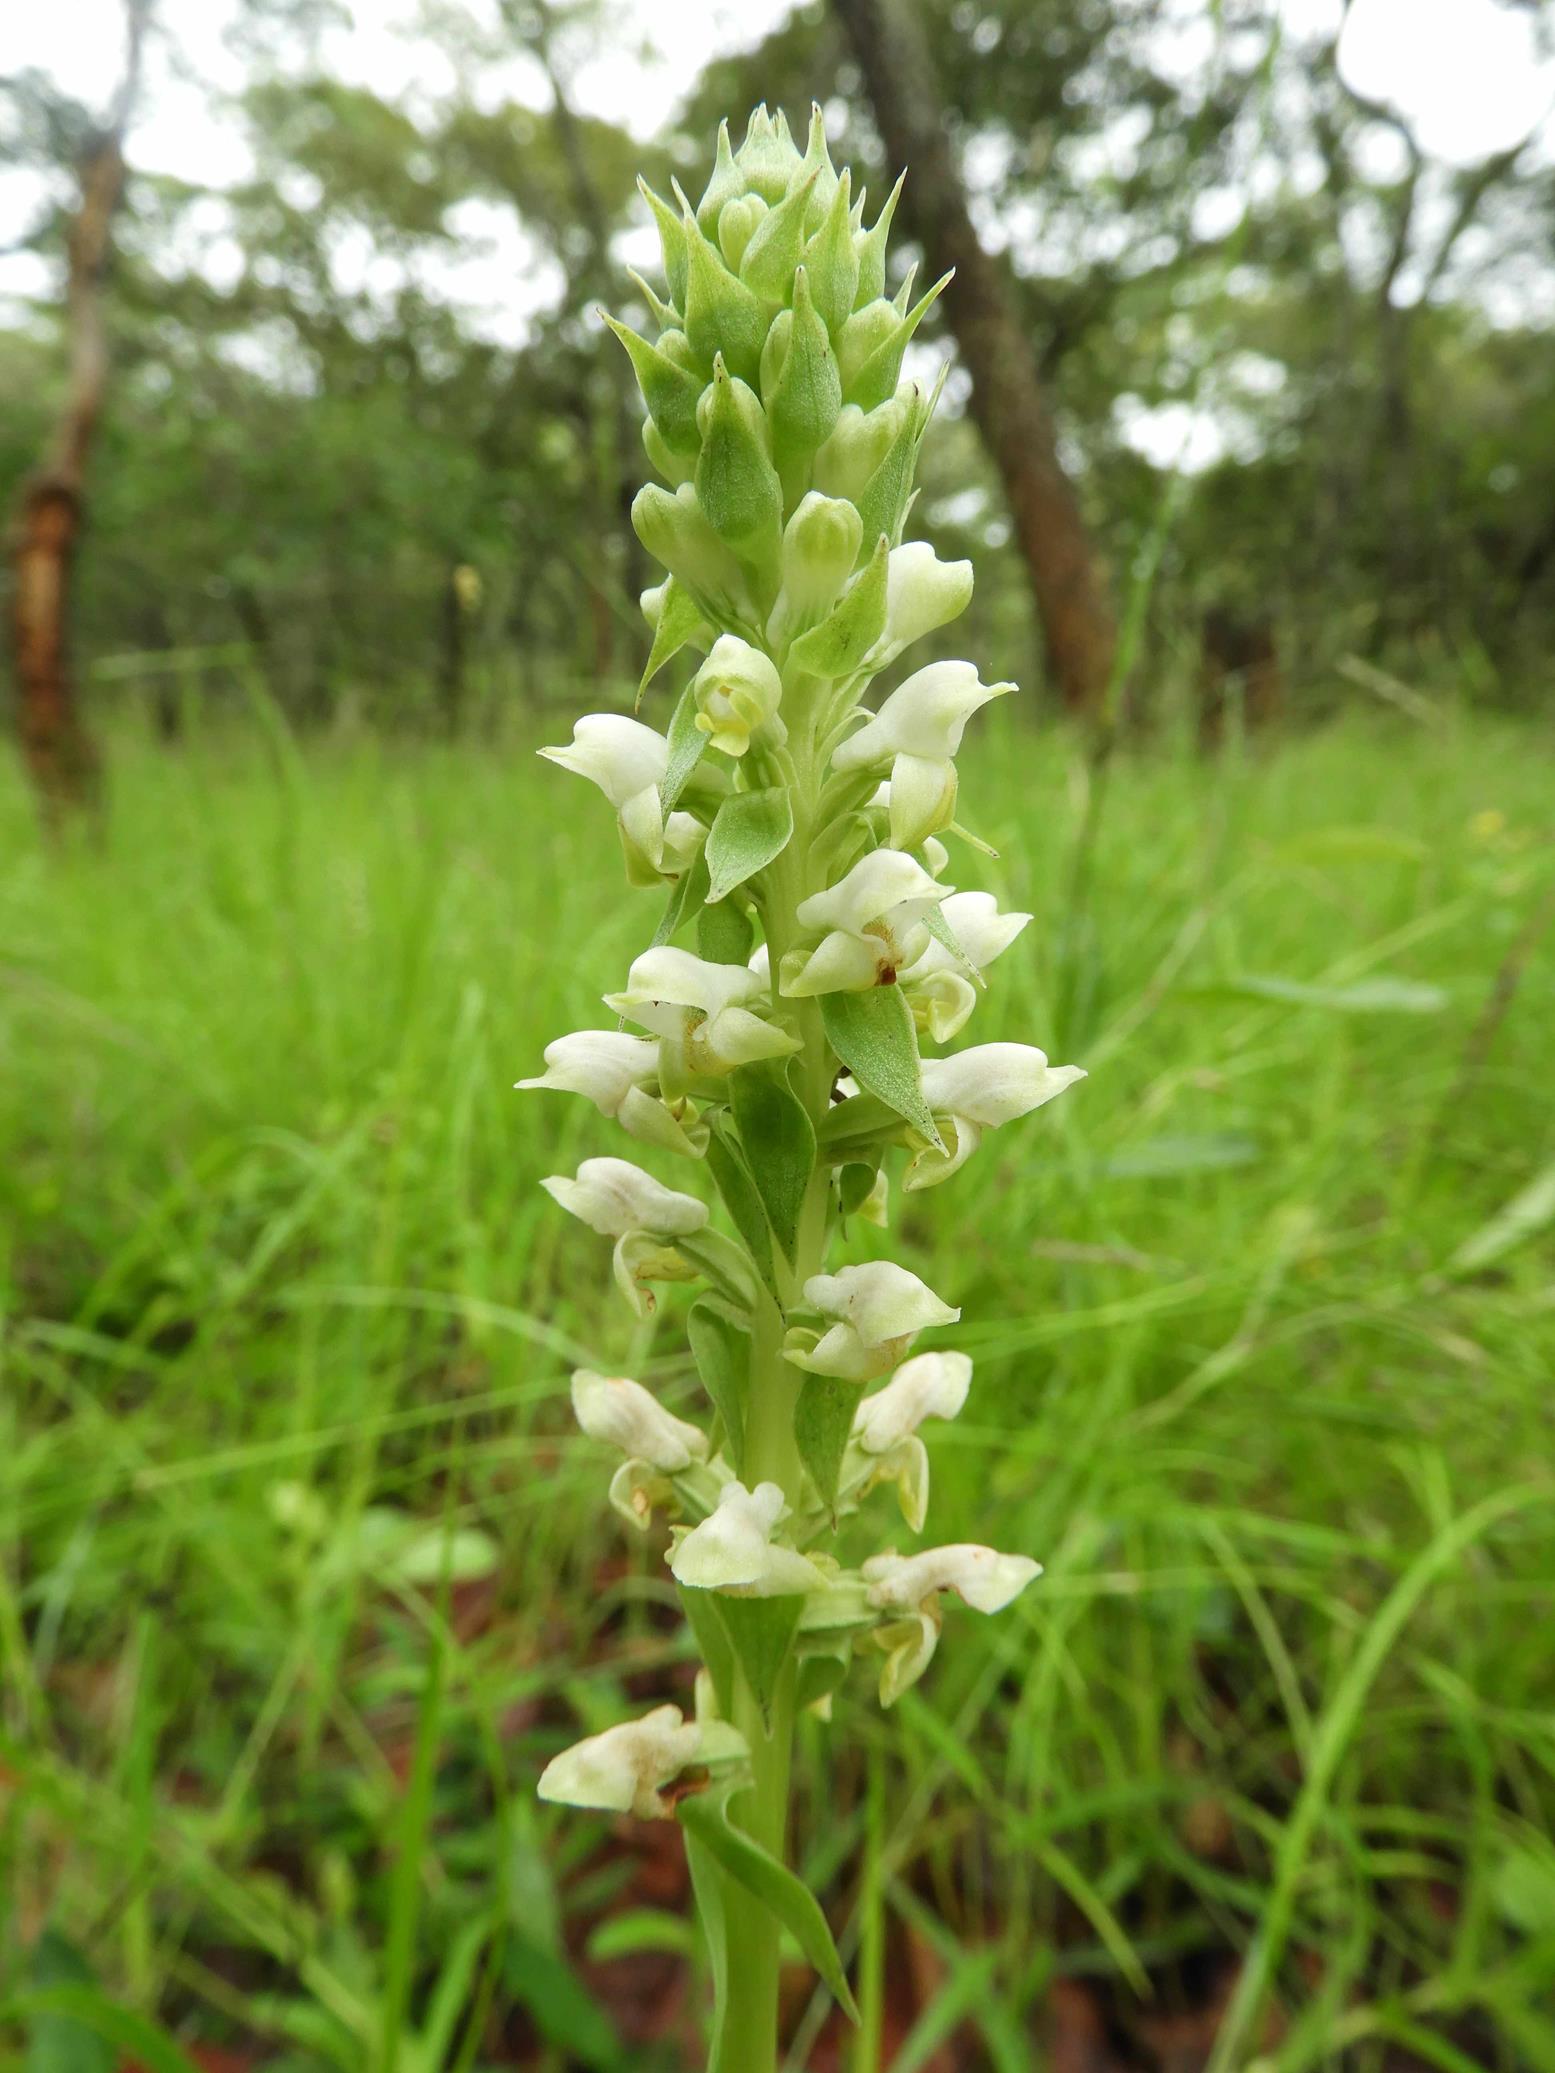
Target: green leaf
(823, 1418)
(713, 1643)
(839, 644)
(872, 1033)
(761, 1633)
(686, 744)
(778, 1139)
(725, 934)
(722, 1352)
(1379, 996)
(708, 1889)
(743, 1201)
(74, 2027)
(748, 831)
(680, 617)
(853, 1127)
(706, 1817)
(822, 1670)
(641, 1929)
(1528, 1212)
(565, 2013)
(855, 1185)
(686, 896)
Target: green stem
(749, 2020)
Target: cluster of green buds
(809, 954)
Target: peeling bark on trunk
(1067, 584)
(55, 745)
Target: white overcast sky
(1469, 75)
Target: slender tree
(1067, 581)
(52, 509)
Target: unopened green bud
(672, 241)
(767, 159)
(722, 315)
(806, 396)
(872, 247)
(869, 379)
(857, 446)
(817, 162)
(882, 504)
(723, 187)
(736, 225)
(737, 485)
(863, 334)
(673, 529)
(669, 392)
(820, 546)
(674, 467)
(774, 250)
(831, 261)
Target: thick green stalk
(750, 2019)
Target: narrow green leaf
(713, 1644)
(779, 1144)
(855, 1185)
(687, 895)
(1380, 996)
(565, 2013)
(686, 744)
(1527, 1213)
(708, 1889)
(1159, 1157)
(706, 1818)
(725, 934)
(872, 1033)
(722, 1354)
(839, 644)
(680, 616)
(749, 830)
(743, 1201)
(761, 1633)
(823, 1419)
(854, 1126)
(822, 1670)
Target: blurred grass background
(304, 1571)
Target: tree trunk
(1067, 583)
(58, 752)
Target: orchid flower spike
(878, 1309)
(733, 1549)
(700, 1012)
(873, 919)
(918, 731)
(976, 1090)
(629, 1768)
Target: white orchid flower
(976, 1090)
(921, 593)
(909, 1644)
(873, 926)
(938, 989)
(733, 1549)
(878, 1309)
(621, 1413)
(918, 731)
(697, 1009)
(980, 1577)
(626, 1769)
(885, 1445)
(930, 1385)
(737, 692)
(614, 1070)
(612, 1196)
(628, 760)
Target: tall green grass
(303, 1571)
